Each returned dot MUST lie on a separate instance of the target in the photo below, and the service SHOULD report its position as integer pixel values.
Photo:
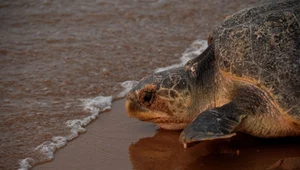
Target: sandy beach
(56, 54)
(115, 141)
(106, 143)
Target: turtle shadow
(163, 151)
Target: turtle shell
(262, 43)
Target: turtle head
(165, 98)
(173, 98)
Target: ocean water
(64, 62)
(94, 106)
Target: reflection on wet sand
(292, 163)
(163, 151)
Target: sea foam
(196, 48)
(92, 105)
(127, 86)
(97, 105)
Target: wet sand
(115, 141)
(106, 143)
(55, 53)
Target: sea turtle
(247, 80)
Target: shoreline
(115, 141)
(73, 50)
(96, 148)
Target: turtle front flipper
(212, 124)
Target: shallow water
(55, 55)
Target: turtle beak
(133, 107)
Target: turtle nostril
(131, 96)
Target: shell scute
(263, 44)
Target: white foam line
(26, 163)
(100, 104)
(196, 48)
(127, 85)
(94, 106)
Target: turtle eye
(148, 97)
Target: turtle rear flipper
(212, 124)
